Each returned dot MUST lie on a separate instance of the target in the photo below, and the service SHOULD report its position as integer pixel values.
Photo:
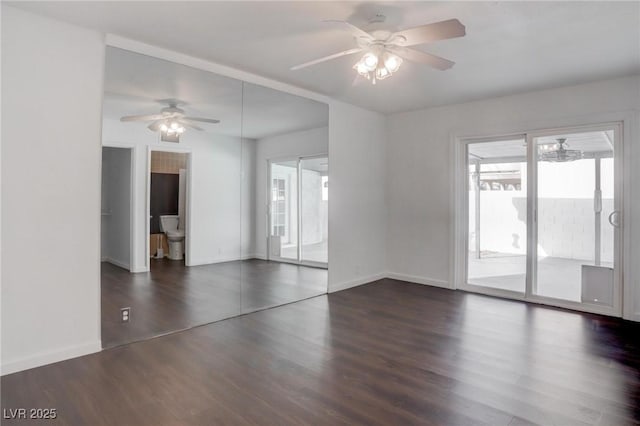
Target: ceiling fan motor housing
(172, 109)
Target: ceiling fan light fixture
(386, 63)
(392, 62)
(379, 62)
(361, 68)
(177, 130)
(382, 73)
(370, 61)
(171, 122)
(558, 153)
(171, 127)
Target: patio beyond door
(577, 217)
(497, 178)
(543, 218)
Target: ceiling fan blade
(357, 32)
(204, 120)
(189, 123)
(327, 58)
(424, 58)
(146, 117)
(429, 33)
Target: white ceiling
(134, 84)
(509, 47)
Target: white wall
(357, 208)
(420, 153)
(290, 145)
(116, 210)
(215, 217)
(51, 113)
(248, 229)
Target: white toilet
(169, 224)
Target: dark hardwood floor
(386, 353)
(173, 297)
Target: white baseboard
(123, 265)
(354, 283)
(633, 317)
(419, 280)
(392, 275)
(50, 357)
(251, 256)
(198, 262)
(248, 256)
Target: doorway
(542, 217)
(298, 210)
(168, 208)
(116, 206)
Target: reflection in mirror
(214, 198)
(171, 197)
(286, 195)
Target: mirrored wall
(215, 198)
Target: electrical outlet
(125, 314)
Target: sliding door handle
(597, 201)
(614, 219)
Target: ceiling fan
(170, 119)
(558, 152)
(385, 50)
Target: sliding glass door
(314, 213)
(284, 210)
(543, 217)
(577, 205)
(497, 238)
(298, 210)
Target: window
(325, 188)
(279, 207)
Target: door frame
(298, 261)
(622, 294)
(532, 222)
(463, 283)
(188, 201)
(132, 186)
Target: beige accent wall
(153, 244)
(168, 162)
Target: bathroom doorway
(168, 208)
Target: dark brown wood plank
(384, 353)
(172, 297)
